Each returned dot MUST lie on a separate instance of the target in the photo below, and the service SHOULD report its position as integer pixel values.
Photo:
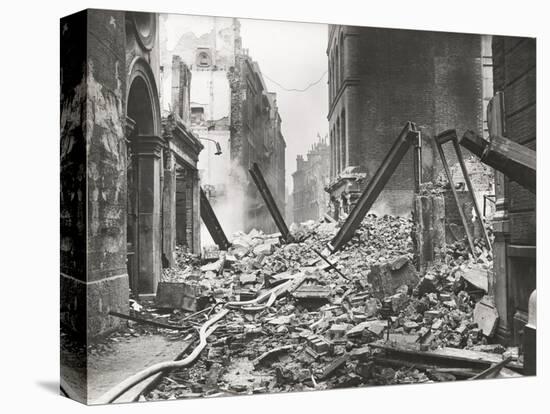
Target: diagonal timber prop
(409, 136)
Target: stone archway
(143, 179)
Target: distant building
(231, 106)
(310, 200)
(381, 78)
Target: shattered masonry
(405, 300)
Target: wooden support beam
(212, 224)
(451, 136)
(259, 180)
(515, 161)
(407, 137)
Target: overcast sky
(293, 55)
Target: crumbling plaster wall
(73, 172)
(106, 170)
(94, 279)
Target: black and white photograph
(302, 207)
(255, 206)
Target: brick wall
(394, 76)
(310, 179)
(255, 138)
(514, 74)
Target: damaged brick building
(257, 138)
(381, 78)
(129, 177)
(232, 108)
(309, 198)
(515, 249)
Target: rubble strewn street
(229, 232)
(324, 331)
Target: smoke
(381, 208)
(393, 203)
(229, 204)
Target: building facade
(381, 78)
(231, 111)
(514, 223)
(121, 163)
(310, 201)
(256, 137)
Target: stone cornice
(148, 145)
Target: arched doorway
(144, 161)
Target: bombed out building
(130, 185)
(515, 246)
(232, 113)
(257, 138)
(381, 78)
(161, 121)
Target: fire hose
(128, 383)
(204, 332)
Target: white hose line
(204, 333)
(275, 291)
(129, 382)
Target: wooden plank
(211, 222)
(520, 199)
(450, 354)
(514, 152)
(265, 192)
(391, 161)
(516, 161)
(399, 363)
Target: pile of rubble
(361, 316)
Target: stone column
(106, 287)
(169, 210)
(181, 219)
(500, 285)
(148, 151)
(196, 243)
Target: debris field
(301, 321)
